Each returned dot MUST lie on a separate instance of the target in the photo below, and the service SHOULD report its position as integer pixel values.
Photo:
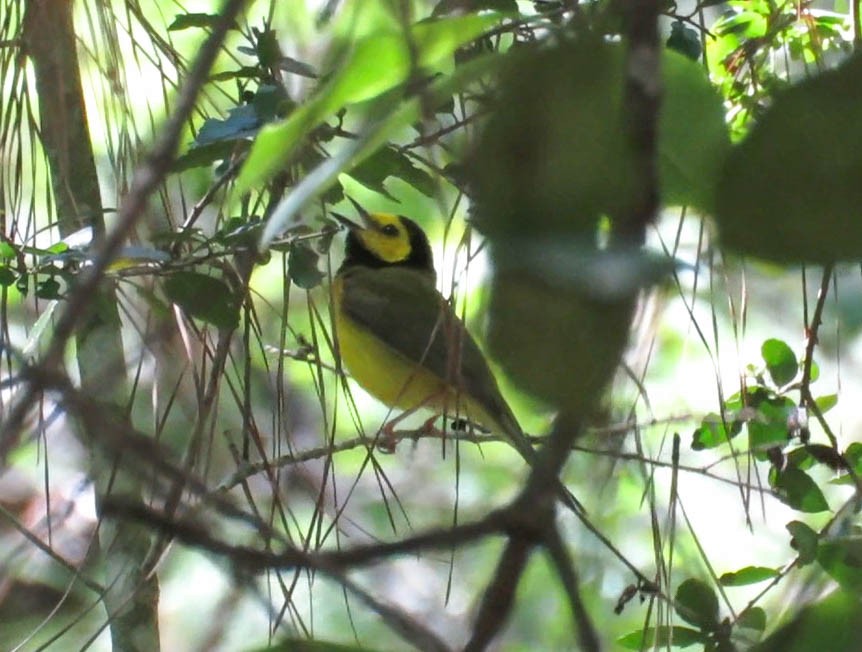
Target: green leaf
(796, 489)
(388, 161)
(772, 202)
(780, 361)
(752, 618)
(7, 251)
(48, 289)
(748, 575)
(804, 541)
(377, 63)
(326, 173)
(204, 297)
(689, 166)
(684, 40)
(7, 276)
(302, 266)
(712, 433)
(696, 603)
(841, 558)
(188, 21)
(653, 637)
(831, 624)
(826, 403)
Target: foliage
(558, 147)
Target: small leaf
(780, 361)
(712, 433)
(684, 40)
(753, 618)
(697, 604)
(652, 637)
(387, 162)
(188, 21)
(7, 276)
(804, 541)
(748, 575)
(302, 266)
(7, 251)
(826, 403)
(48, 289)
(204, 297)
(796, 489)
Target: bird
(401, 340)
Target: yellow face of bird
(385, 240)
(385, 236)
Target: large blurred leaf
(832, 624)
(841, 557)
(791, 191)
(748, 575)
(693, 142)
(555, 152)
(376, 64)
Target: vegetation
(647, 212)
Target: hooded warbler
(399, 337)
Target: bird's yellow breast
(389, 376)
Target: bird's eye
(390, 230)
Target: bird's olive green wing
(403, 308)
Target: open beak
(350, 224)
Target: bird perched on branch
(401, 339)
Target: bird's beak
(350, 225)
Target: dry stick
(146, 180)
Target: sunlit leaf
(748, 575)
(188, 21)
(826, 403)
(712, 433)
(780, 361)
